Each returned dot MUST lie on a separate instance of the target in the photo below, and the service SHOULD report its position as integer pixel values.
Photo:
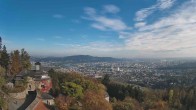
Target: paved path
(14, 104)
(29, 99)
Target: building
(36, 79)
(47, 99)
(33, 81)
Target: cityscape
(154, 73)
(97, 54)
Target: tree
(2, 71)
(25, 60)
(95, 101)
(4, 58)
(122, 106)
(113, 100)
(171, 94)
(63, 102)
(72, 89)
(15, 62)
(106, 79)
(2, 103)
(55, 91)
(2, 81)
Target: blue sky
(116, 28)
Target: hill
(76, 59)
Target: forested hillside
(73, 91)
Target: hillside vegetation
(73, 91)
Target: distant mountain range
(88, 58)
(76, 59)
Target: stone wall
(19, 95)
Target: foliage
(25, 60)
(127, 104)
(2, 70)
(106, 79)
(122, 106)
(19, 62)
(2, 81)
(2, 102)
(94, 101)
(120, 91)
(89, 91)
(171, 94)
(72, 89)
(59, 78)
(4, 60)
(15, 62)
(125, 97)
(63, 102)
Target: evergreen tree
(15, 62)
(2, 71)
(106, 79)
(25, 60)
(4, 58)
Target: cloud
(144, 13)
(99, 26)
(104, 23)
(164, 4)
(89, 11)
(110, 23)
(160, 5)
(174, 34)
(63, 44)
(170, 36)
(93, 46)
(111, 9)
(140, 24)
(58, 16)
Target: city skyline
(129, 28)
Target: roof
(46, 96)
(35, 74)
(37, 63)
(40, 106)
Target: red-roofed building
(40, 106)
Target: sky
(113, 28)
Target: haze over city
(128, 28)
